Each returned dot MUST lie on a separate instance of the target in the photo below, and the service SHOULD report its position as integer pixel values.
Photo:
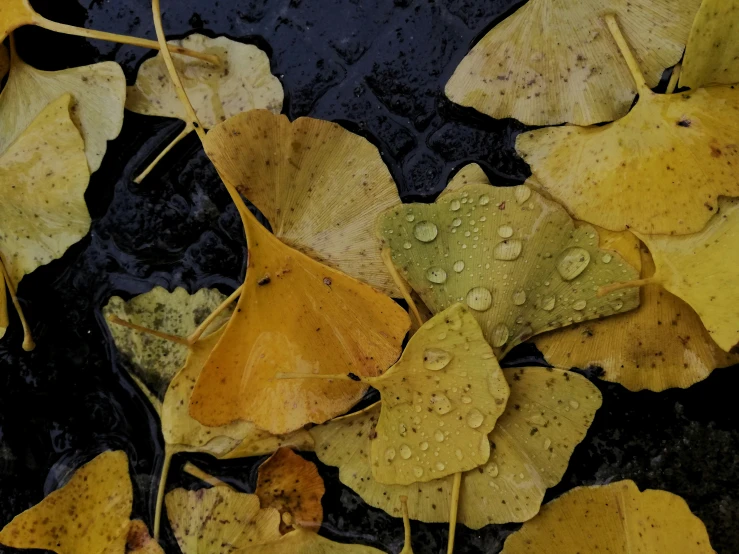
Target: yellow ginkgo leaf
(98, 93)
(659, 170)
(336, 324)
(292, 485)
(548, 413)
(660, 345)
(220, 520)
(712, 53)
(616, 518)
(320, 186)
(303, 541)
(43, 178)
(139, 541)
(554, 62)
(90, 514)
(514, 257)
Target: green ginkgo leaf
(515, 258)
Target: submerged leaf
(43, 178)
(548, 413)
(303, 541)
(89, 514)
(335, 325)
(292, 485)
(660, 345)
(513, 256)
(700, 269)
(614, 518)
(554, 62)
(712, 53)
(440, 401)
(242, 82)
(98, 92)
(320, 186)
(220, 520)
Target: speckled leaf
(320, 186)
(292, 485)
(555, 62)
(139, 541)
(658, 170)
(614, 518)
(548, 413)
(89, 514)
(98, 92)
(242, 82)
(513, 256)
(701, 270)
(220, 520)
(440, 401)
(712, 53)
(303, 541)
(43, 178)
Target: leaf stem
(169, 452)
(674, 77)
(623, 46)
(198, 473)
(608, 289)
(336, 377)
(197, 333)
(186, 131)
(28, 343)
(386, 255)
(141, 329)
(453, 513)
(407, 547)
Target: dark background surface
(378, 67)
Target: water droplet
(458, 266)
(505, 231)
(440, 466)
(579, 305)
(390, 454)
(436, 359)
(405, 451)
(548, 303)
(519, 297)
(458, 454)
(500, 335)
(574, 404)
(466, 400)
(547, 444)
(424, 446)
(407, 245)
(479, 299)
(425, 231)
(410, 217)
(507, 250)
(617, 305)
(456, 222)
(418, 471)
(484, 200)
(440, 403)
(537, 419)
(436, 275)
(521, 476)
(606, 258)
(454, 205)
(439, 436)
(475, 418)
(522, 193)
(402, 429)
(492, 469)
(572, 262)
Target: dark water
(377, 67)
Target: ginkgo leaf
(90, 514)
(712, 53)
(139, 541)
(660, 345)
(554, 62)
(98, 92)
(616, 518)
(658, 170)
(700, 269)
(320, 186)
(43, 178)
(336, 325)
(220, 520)
(292, 485)
(303, 541)
(513, 256)
(548, 413)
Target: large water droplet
(456, 222)
(436, 275)
(547, 444)
(479, 299)
(548, 303)
(402, 429)
(407, 245)
(436, 359)
(537, 419)
(606, 258)
(458, 266)
(519, 297)
(507, 250)
(424, 446)
(579, 305)
(484, 200)
(425, 231)
(440, 466)
(617, 305)
(574, 404)
(572, 262)
(458, 453)
(466, 399)
(439, 436)
(454, 205)
(475, 418)
(418, 471)
(405, 451)
(492, 469)
(440, 403)
(522, 193)
(505, 231)
(500, 335)
(390, 454)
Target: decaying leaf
(90, 514)
(303, 541)
(292, 485)
(439, 402)
(712, 53)
(43, 178)
(139, 541)
(513, 256)
(658, 170)
(614, 518)
(548, 413)
(320, 186)
(98, 92)
(660, 345)
(220, 520)
(554, 62)
(701, 270)
(335, 325)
